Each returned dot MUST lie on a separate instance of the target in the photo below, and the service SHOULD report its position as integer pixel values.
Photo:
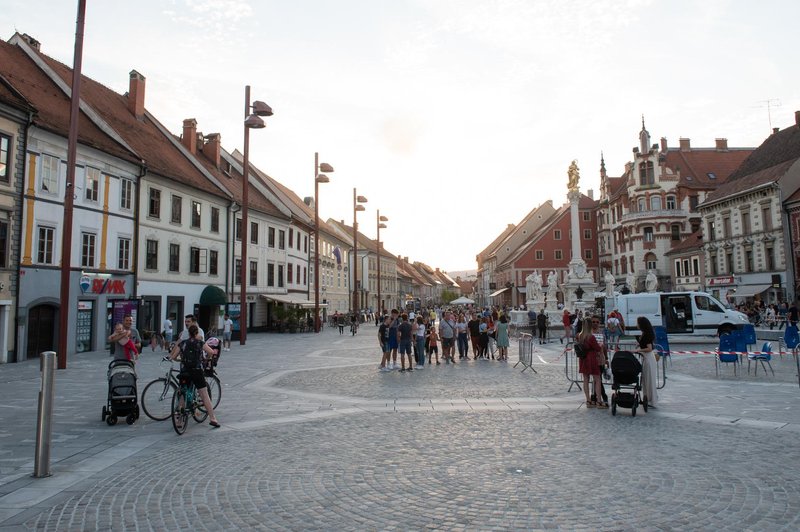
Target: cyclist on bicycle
(190, 351)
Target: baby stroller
(121, 393)
(625, 370)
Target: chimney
(775, 130)
(33, 43)
(211, 148)
(685, 146)
(590, 193)
(722, 144)
(664, 144)
(797, 118)
(189, 138)
(136, 95)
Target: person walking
(474, 327)
(168, 331)
(598, 334)
(227, 331)
(589, 365)
(447, 331)
(501, 334)
(419, 341)
(566, 321)
(613, 330)
(383, 341)
(649, 369)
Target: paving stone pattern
(315, 438)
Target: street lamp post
(357, 201)
(252, 121)
(318, 178)
(380, 226)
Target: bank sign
(99, 285)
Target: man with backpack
(613, 330)
(191, 353)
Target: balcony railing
(643, 215)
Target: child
(127, 343)
(433, 346)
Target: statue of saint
(552, 286)
(574, 176)
(630, 280)
(610, 280)
(651, 282)
(533, 285)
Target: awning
(749, 290)
(499, 291)
(289, 300)
(213, 295)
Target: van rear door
(677, 312)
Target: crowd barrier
(576, 379)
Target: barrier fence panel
(571, 367)
(525, 349)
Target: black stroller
(121, 393)
(625, 370)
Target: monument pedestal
(579, 282)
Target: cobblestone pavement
(314, 437)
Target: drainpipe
(137, 229)
(18, 220)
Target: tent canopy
(462, 301)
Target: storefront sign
(716, 281)
(100, 285)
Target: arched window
(650, 261)
(655, 203)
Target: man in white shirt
(168, 330)
(189, 320)
(227, 328)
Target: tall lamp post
(318, 178)
(381, 225)
(357, 206)
(252, 121)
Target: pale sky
(453, 117)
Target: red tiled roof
(51, 104)
(12, 97)
(696, 164)
(693, 242)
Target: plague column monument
(580, 285)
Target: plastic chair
(662, 341)
(764, 356)
(749, 333)
(727, 342)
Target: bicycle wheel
(214, 389)
(157, 399)
(180, 411)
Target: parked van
(695, 313)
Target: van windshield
(707, 303)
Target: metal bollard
(44, 424)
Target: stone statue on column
(533, 286)
(651, 282)
(630, 280)
(610, 280)
(574, 176)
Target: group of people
(126, 344)
(599, 348)
(772, 315)
(418, 335)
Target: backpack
(580, 349)
(191, 353)
(612, 326)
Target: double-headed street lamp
(318, 178)
(252, 121)
(381, 225)
(357, 201)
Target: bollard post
(44, 422)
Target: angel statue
(574, 175)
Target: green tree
(448, 296)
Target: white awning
(750, 290)
(293, 300)
(498, 292)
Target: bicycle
(157, 395)
(185, 401)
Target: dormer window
(647, 174)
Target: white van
(695, 313)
